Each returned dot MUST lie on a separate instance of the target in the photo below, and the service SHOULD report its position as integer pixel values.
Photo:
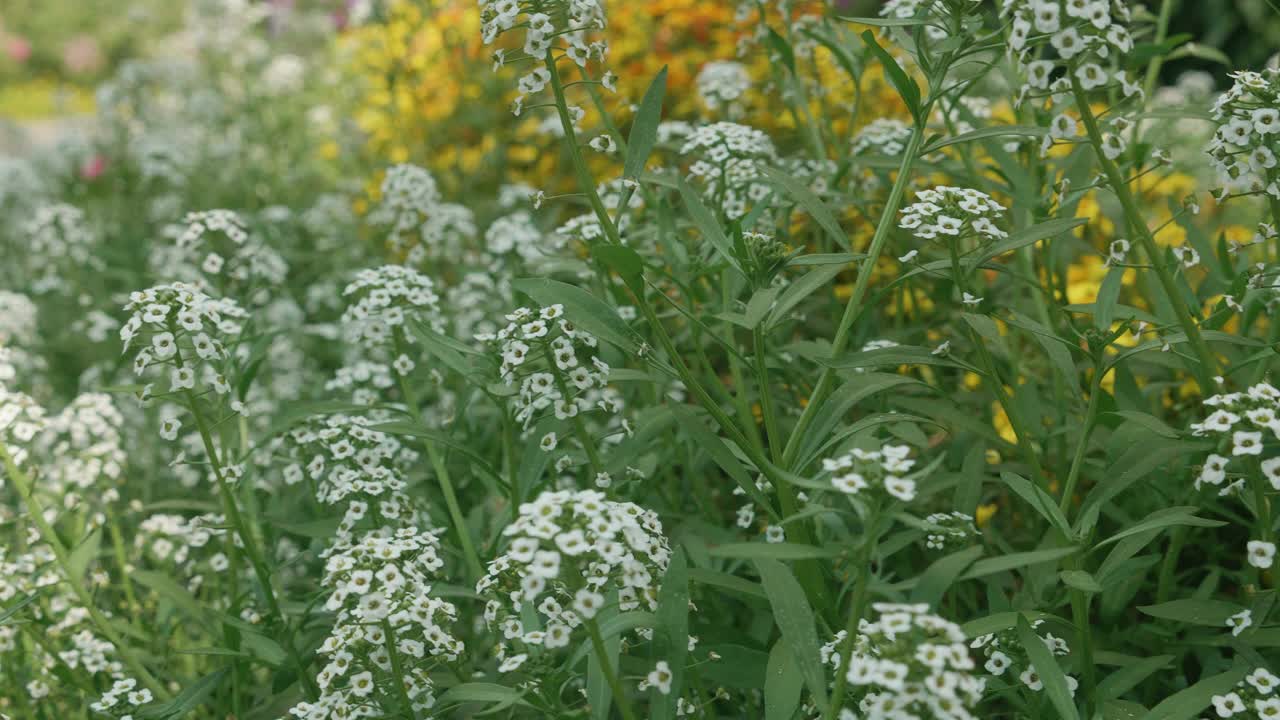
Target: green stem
(397, 669)
(251, 549)
(580, 169)
(858, 606)
(442, 474)
(602, 655)
(1090, 419)
(1080, 617)
(1162, 32)
(1169, 566)
(1208, 366)
(774, 435)
(1021, 430)
(22, 482)
(853, 307)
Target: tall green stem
(602, 656)
(1208, 366)
(857, 607)
(442, 475)
(22, 482)
(580, 169)
(826, 381)
(1090, 419)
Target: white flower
(1261, 554)
(1228, 705)
(660, 677)
(1246, 443)
(1239, 622)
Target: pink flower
(93, 167)
(17, 48)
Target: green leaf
(189, 700)
(1108, 295)
(984, 133)
(771, 551)
(582, 309)
(1055, 681)
(17, 607)
(1162, 519)
(885, 22)
(725, 581)
(759, 306)
(644, 129)
(1193, 612)
(167, 588)
(794, 618)
(1128, 676)
(934, 581)
(1188, 703)
(782, 684)
(905, 85)
(1080, 580)
(707, 441)
(825, 259)
(624, 261)
(1039, 500)
(817, 209)
(706, 223)
(801, 289)
(1015, 561)
(999, 621)
(441, 348)
(891, 356)
(478, 692)
(84, 553)
(1147, 421)
(1024, 237)
(673, 630)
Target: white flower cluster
(873, 471)
(947, 530)
(1241, 422)
(908, 9)
(381, 593)
(408, 195)
(884, 136)
(364, 381)
(730, 160)
(383, 299)
(21, 419)
(59, 236)
(555, 364)
(551, 27)
(1086, 36)
(187, 545)
(953, 212)
(1245, 146)
(722, 83)
(83, 445)
(519, 233)
(909, 663)
(186, 330)
(1003, 651)
(347, 461)
(18, 318)
(213, 250)
(122, 699)
(570, 554)
(1254, 697)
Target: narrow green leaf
(1055, 681)
(1039, 500)
(1188, 703)
(1080, 580)
(771, 551)
(939, 576)
(1147, 421)
(1193, 612)
(797, 291)
(1016, 561)
(905, 85)
(984, 133)
(673, 627)
(644, 129)
(794, 618)
(706, 223)
(1167, 517)
(624, 261)
(1127, 676)
(1024, 237)
(581, 308)
(813, 204)
(782, 684)
(190, 699)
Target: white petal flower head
(1261, 554)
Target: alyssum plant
(949, 406)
